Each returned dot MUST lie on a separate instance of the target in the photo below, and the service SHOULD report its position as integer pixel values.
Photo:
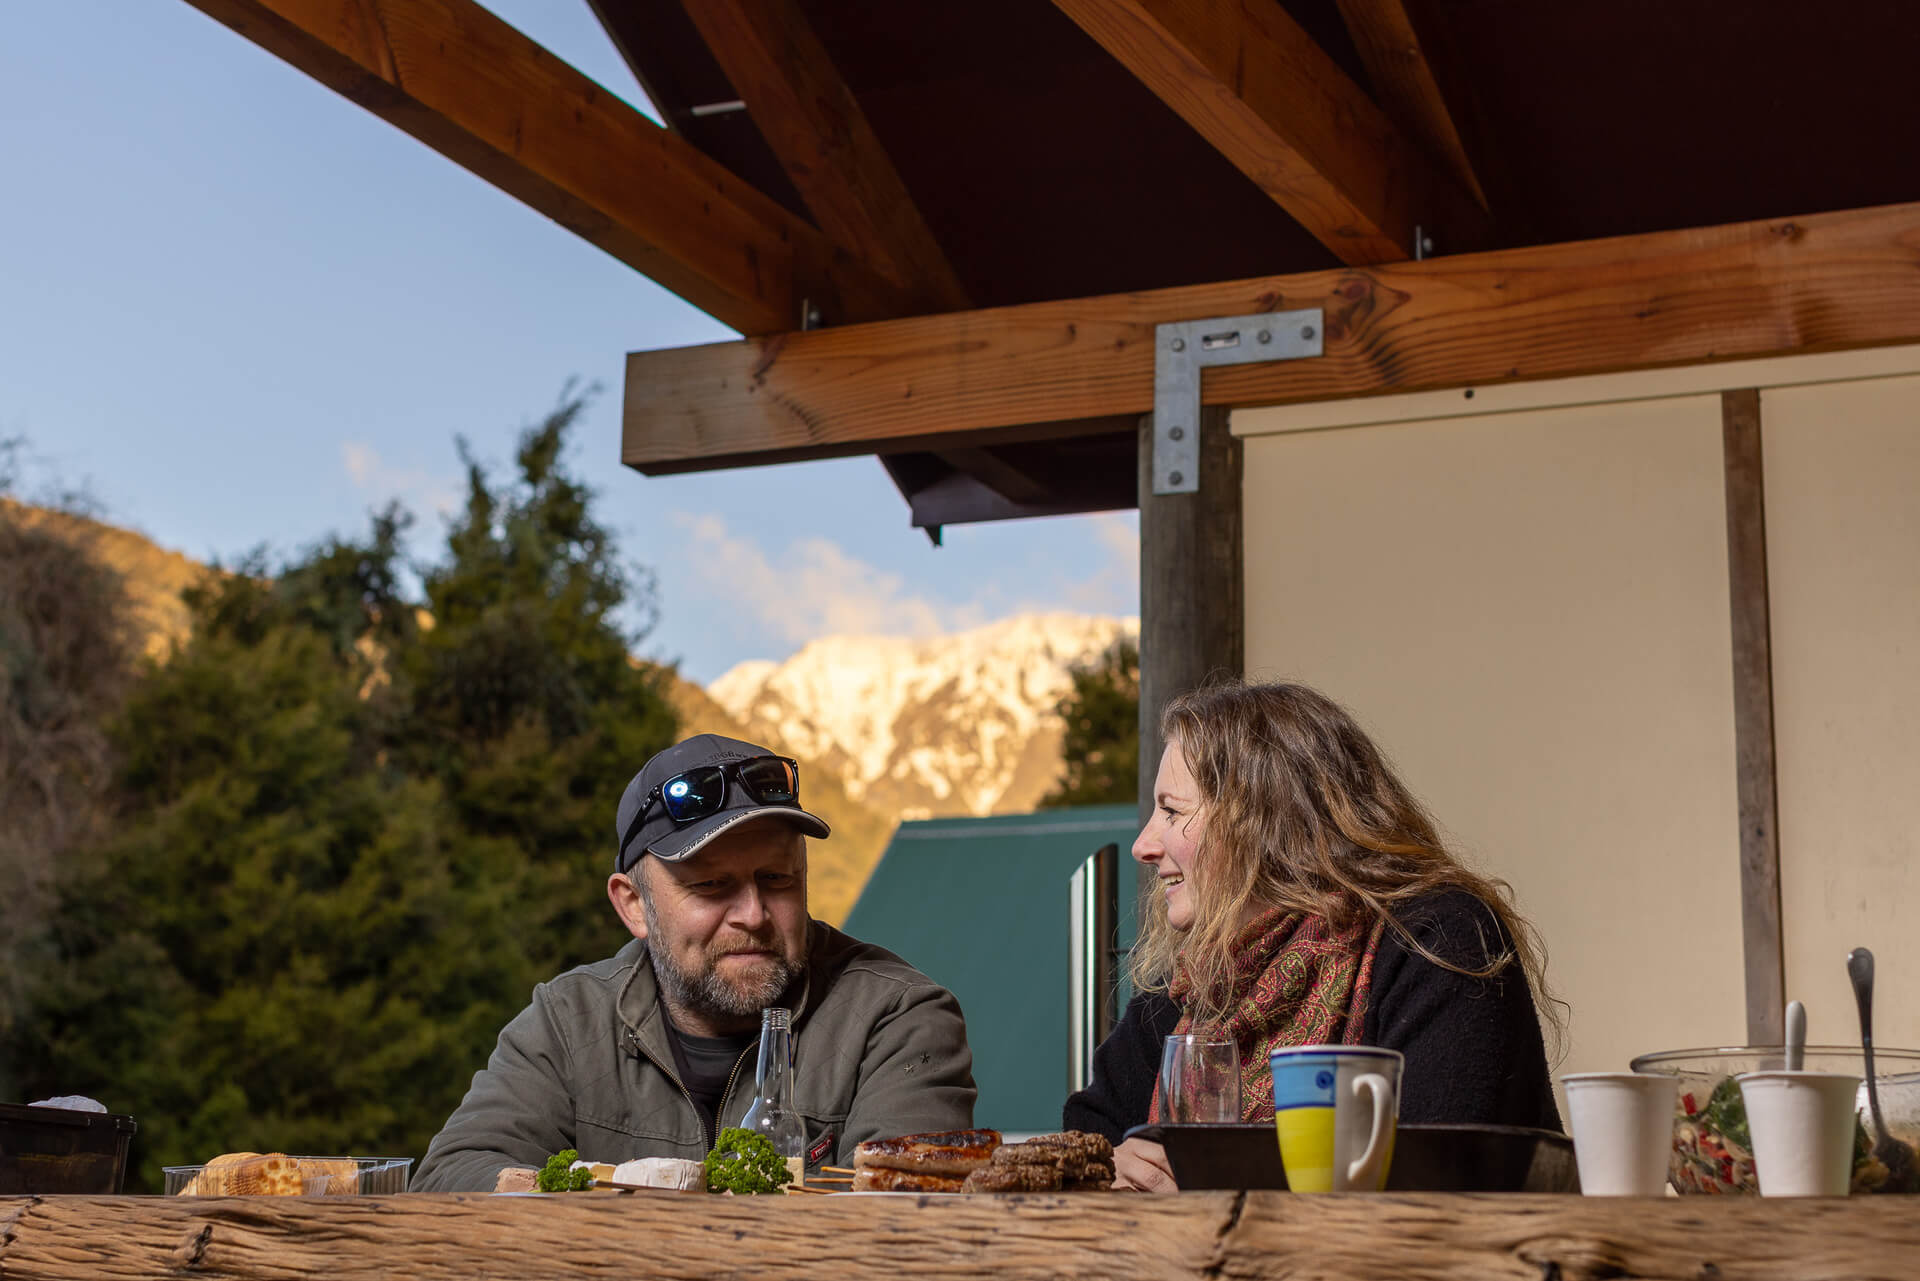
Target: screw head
(1176, 433)
(1306, 332)
(1174, 477)
(1264, 335)
(1179, 344)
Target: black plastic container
(51, 1150)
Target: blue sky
(240, 310)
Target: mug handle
(1364, 1173)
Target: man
(651, 1052)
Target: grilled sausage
(948, 1152)
(874, 1178)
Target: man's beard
(714, 997)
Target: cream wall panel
(1843, 554)
(1529, 610)
(1595, 389)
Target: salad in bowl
(1712, 1146)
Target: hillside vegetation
(154, 579)
(158, 621)
(337, 848)
(67, 644)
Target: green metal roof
(981, 905)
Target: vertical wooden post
(1753, 717)
(1192, 593)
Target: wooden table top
(1195, 1236)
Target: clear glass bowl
(319, 1176)
(1711, 1149)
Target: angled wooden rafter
(824, 141)
(1251, 81)
(992, 468)
(472, 87)
(1404, 82)
(1820, 283)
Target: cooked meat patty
(1026, 1154)
(1092, 1146)
(1013, 1178)
(1073, 1162)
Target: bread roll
(248, 1174)
(275, 1174)
(340, 1177)
(212, 1179)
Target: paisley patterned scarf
(1296, 981)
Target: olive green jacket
(879, 1050)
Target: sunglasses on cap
(701, 792)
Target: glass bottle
(772, 1113)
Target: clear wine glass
(1199, 1080)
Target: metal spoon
(1893, 1153)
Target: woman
(1306, 898)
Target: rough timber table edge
(1200, 1235)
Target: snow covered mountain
(912, 727)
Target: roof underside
(1046, 169)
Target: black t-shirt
(706, 1064)
(1473, 1046)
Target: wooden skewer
(797, 1189)
(836, 1169)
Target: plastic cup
(1802, 1126)
(1622, 1130)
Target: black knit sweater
(1473, 1046)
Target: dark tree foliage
(352, 830)
(1102, 747)
(66, 658)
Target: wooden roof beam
(824, 141)
(1820, 283)
(476, 90)
(992, 468)
(1402, 69)
(1255, 85)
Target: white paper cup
(1802, 1126)
(1622, 1130)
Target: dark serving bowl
(1426, 1158)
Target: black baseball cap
(660, 834)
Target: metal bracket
(1181, 350)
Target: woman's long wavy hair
(1303, 813)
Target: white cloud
(1120, 537)
(1114, 588)
(419, 490)
(816, 589)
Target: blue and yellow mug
(1336, 1108)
